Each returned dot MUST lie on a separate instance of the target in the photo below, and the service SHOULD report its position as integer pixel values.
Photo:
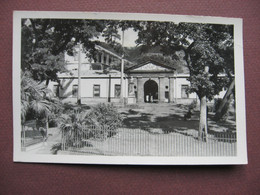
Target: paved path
(45, 147)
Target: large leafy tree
(208, 52)
(44, 42)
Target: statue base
(131, 100)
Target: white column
(107, 59)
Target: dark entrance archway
(150, 91)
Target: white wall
(87, 85)
(178, 82)
(182, 80)
(72, 59)
(74, 66)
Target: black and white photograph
(128, 88)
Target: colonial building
(146, 82)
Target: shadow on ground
(167, 122)
(171, 119)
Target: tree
(208, 52)
(224, 104)
(73, 128)
(44, 42)
(36, 99)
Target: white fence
(155, 142)
(30, 137)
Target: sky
(129, 38)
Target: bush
(100, 122)
(72, 125)
(104, 115)
(210, 108)
(104, 120)
(193, 105)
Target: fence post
(61, 139)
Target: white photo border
(19, 156)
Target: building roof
(135, 60)
(90, 73)
(108, 48)
(141, 54)
(150, 61)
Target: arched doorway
(150, 91)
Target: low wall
(185, 101)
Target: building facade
(146, 82)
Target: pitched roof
(90, 73)
(147, 62)
(108, 48)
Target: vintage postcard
(128, 88)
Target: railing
(30, 137)
(153, 142)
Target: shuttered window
(117, 90)
(96, 91)
(184, 94)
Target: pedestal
(131, 95)
(131, 100)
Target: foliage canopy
(204, 45)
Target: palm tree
(73, 128)
(37, 98)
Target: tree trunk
(225, 100)
(203, 129)
(47, 127)
(47, 82)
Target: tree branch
(35, 31)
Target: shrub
(193, 105)
(104, 120)
(72, 125)
(104, 115)
(210, 108)
(55, 148)
(100, 122)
